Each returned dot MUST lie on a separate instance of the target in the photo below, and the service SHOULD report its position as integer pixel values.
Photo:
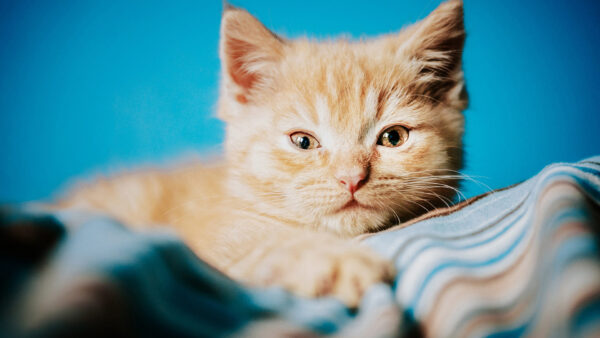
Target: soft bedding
(523, 261)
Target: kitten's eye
(304, 140)
(393, 136)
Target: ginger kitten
(325, 141)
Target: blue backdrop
(94, 86)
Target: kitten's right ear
(249, 53)
(435, 47)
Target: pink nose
(353, 181)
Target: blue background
(95, 86)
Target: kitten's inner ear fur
(249, 53)
(435, 45)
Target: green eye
(393, 136)
(304, 141)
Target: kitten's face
(344, 136)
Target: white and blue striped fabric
(519, 262)
(523, 261)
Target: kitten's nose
(353, 180)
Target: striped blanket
(523, 261)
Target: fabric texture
(523, 261)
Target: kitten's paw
(315, 267)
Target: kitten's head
(348, 136)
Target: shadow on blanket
(522, 261)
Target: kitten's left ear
(435, 47)
(249, 53)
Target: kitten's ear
(435, 46)
(249, 53)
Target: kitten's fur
(269, 213)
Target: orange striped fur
(270, 213)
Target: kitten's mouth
(353, 205)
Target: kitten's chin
(354, 219)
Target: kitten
(325, 141)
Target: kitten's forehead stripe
(350, 97)
(370, 110)
(322, 110)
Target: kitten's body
(273, 212)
